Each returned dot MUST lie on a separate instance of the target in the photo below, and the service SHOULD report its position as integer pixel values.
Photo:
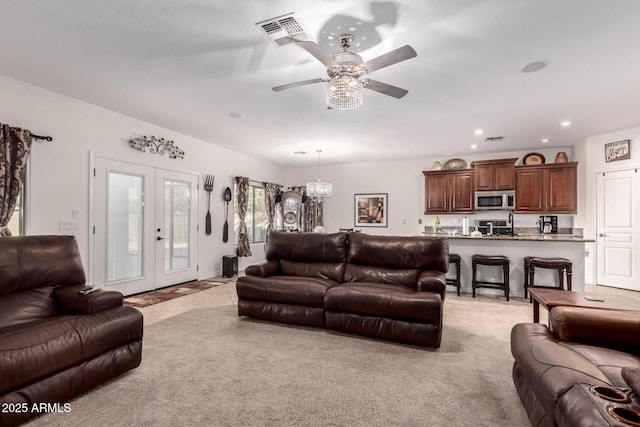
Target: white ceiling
(190, 65)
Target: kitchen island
(516, 248)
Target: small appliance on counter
(548, 224)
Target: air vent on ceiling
(493, 138)
(284, 29)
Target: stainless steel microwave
(495, 200)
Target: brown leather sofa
(56, 344)
(580, 371)
(384, 287)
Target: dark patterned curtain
(314, 214)
(15, 145)
(270, 192)
(244, 248)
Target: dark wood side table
(550, 298)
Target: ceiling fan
(345, 69)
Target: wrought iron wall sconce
(156, 146)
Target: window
(16, 223)
(256, 218)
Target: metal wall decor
(156, 146)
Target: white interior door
(618, 229)
(145, 227)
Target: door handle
(159, 238)
(603, 235)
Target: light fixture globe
(344, 92)
(319, 190)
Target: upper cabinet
(548, 188)
(492, 175)
(448, 191)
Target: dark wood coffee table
(550, 298)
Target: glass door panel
(125, 227)
(177, 227)
(177, 200)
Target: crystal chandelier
(319, 190)
(344, 92)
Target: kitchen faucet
(510, 221)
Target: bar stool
(563, 266)
(455, 259)
(491, 260)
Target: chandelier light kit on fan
(319, 190)
(344, 86)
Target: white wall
(404, 182)
(59, 170)
(591, 154)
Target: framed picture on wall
(370, 210)
(618, 150)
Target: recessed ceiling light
(534, 66)
(545, 140)
(479, 132)
(299, 152)
(236, 115)
(565, 124)
(474, 146)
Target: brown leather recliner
(56, 344)
(573, 373)
(386, 287)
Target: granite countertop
(520, 237)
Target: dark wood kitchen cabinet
(494, 175)
(548, 188)
(448, 191)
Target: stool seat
(455, 259)
(491, 260)
(552, 263)
(563, 265)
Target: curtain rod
(46, 138)
(253, 181)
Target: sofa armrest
(599, 327)
(432, 281)
(71, 302)
(264, 269)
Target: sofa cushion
(323, 270)
(28, 262)
(27, 306)
(307, 247)
(424, 253)
(286, 289)
(632, 377)
(394, 276)
(385, 300)
(36, 350)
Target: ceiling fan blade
(316, 51)
(397, 55)
(385, 89)
(296, 84)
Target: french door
(618, 229)
(145, 226)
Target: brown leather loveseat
(582, 371)
(384, 287)
(56, 344)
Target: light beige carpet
(208, 367)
